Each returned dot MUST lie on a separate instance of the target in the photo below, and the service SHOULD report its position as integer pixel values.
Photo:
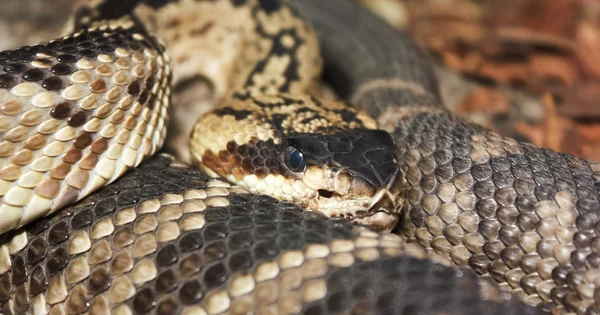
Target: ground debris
(548, 49)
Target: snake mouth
(363, 203)
(379, 217)
(381, 212)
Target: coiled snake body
(80, 111)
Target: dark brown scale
(558, 293)
(39, 226)
(134, 88)
(89, 53)
(506, 196)
(134, 46)
(144, 301)
(578, 258)
(231, 147)
(575, 279)
(243, 150)
(248, 165)
(82, 219)
(216, 214)
(253, 151)
(128, 198)
(167, 306)
(99, 281)
(509, 234)
(66, 58)
(15, 68)
(77, 302)
(166, 281)
(53, 83)
(143, 97)
(191, 292)
(241, 261)
(512, 257)
(593, 260)
(190, 265)
(57, 260)
(7, 81)
(19, 272)
(571, 301)
(213, 252)
(60, 69)
(237, 224)
(58, 233)
(86, 44)
(61, 110)
(493, 249)
(215, 276)
(190, 242)
(38, 281)
(36, 251)
(526, 204)
(151, 101)
(215, 232)
(106, 48)
(529, 282)
(166, 256)
(21, 298)
(486, 208)
(507, 215)
(489, 229)
(78, 119)
(72, 156)
(100, 145)
(83, 140)
(485, 189)
(586, 222)
(528, 221)
(5, 287)
(149, 83)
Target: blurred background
(528, 69)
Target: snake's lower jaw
(381, 221)
(380, 212)
(383, 212)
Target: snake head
(326, 157)
(353, 174)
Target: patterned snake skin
(167, 239)
(527, 217)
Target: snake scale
(93, 221)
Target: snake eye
(295, 159)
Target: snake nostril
(325, 193)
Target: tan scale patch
(187, 26)
(65, 170)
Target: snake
(411, 209)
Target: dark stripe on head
(239, 114)
(364, 153)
